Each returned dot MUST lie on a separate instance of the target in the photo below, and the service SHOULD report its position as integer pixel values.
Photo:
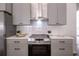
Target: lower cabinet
(17, 47)
(61, 47)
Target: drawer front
(17, 42)
(62, 45)
(17, 47)
(17, 53)
(61, 54)
(62, 42)
(61, 50)
(14, 51)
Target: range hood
(39, 11)
(39, 18)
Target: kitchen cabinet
(51, 13)
(21, 13)
(61, 47)
(61, 8)
(17, 47)
(6, 7)
(56, 13)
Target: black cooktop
(41, 36)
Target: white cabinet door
(52, 13)
(17, 50)
(61, 47)
(56, 13)
(61, 8)
(6, 7)
(17, 47)
(21, 13)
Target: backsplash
(39, 23)
(56, 30)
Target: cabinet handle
(16, 41)
(16, 48)
(20, 24)
(57, 23)
(61, 48)
(61, 41)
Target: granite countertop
(61, 37)
(16, 37)
(51, 37)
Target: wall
(69, 29)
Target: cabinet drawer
(61, 42)
(12, 53)
(62, 54)
(20, 51)
(17, 41)
(62, 45)
(16, 47)
(61, 50)
(17, 53)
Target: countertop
(51, 37)
(16, 37)
(61, 37)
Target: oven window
(39, 50)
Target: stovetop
(39, 39)
(39, 36)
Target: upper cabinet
(52, 13)
(56, 13)
(21, 13)
(61, 13)
(6, 7)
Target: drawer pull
(61, 41)
(16, 48)
(61, 48)
(16, 41)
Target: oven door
(39, 50)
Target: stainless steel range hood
(39, 11)
(39, 18)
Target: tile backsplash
(32, 29)
(56, 30)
